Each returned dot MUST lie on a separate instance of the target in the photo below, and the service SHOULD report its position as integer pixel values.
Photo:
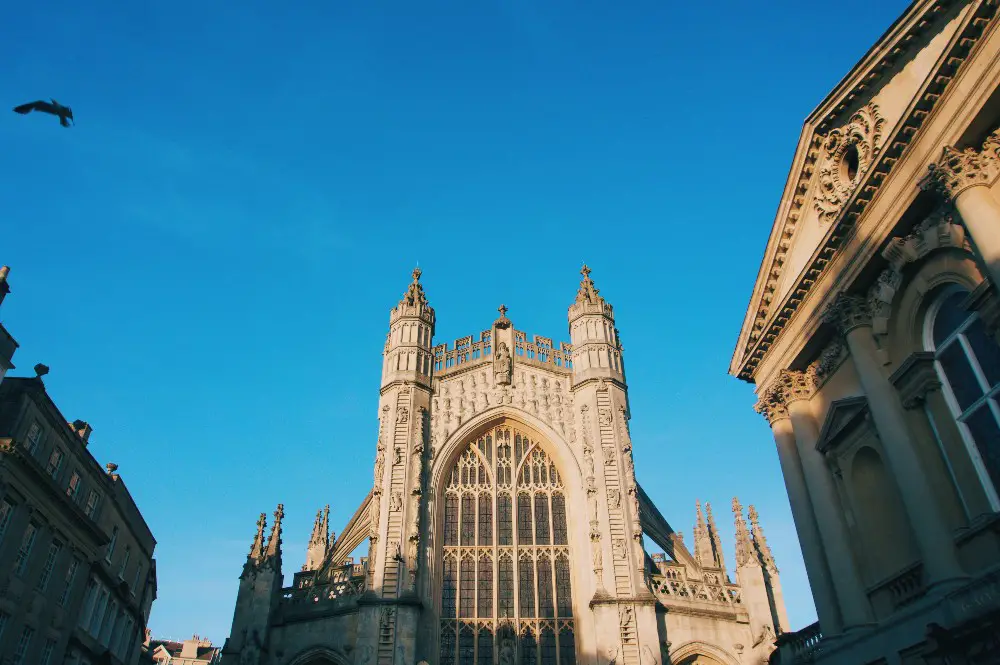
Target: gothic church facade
(505, 524)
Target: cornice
(915, 379)
(753, 345)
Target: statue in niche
(625, 616)
(508, 652)
(502, 365)
(403, 415)
(395, 502)
(618, 548)
(609, 455)
(398, 450)
(614, 498)
(378, 471)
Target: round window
(849, 163)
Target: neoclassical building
(872, 337)
(505, 524)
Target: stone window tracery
(967, 360)
(506, 592)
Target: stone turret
(319, 541)
(257, 598)
(750, 576)
(408, 355)
(597, 351)
(772, 582)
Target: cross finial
(502, 309)
(585, 271)
(416, 274)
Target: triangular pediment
(842, 417)
(847, 147)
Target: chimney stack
(82, 429)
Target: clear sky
(208, 258)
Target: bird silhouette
(53, 107)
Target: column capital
(772, 404)
(848, 312)
(957, 170)
(798, 385)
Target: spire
(318, 542)
(702, 542)
(326, 523)
(744, 548)
(718, 558)
(760, 543)
(415, 293)
(257, 549)
(274, 542)
(587, 293)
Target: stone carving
(797, 385)
(847, 313)
(957, 170)
(614, 498)
(395, 502)
(393, 552)
(847, 154)
(604, 416)
(385, 622)
(507, 652)
(397, 455)
(403, 415)
(618, 549)
(502, 365)
(609, 455)
(378, 472)
(596, 555)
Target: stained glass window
(517, 582)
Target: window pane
(546, 607)
(524, 519)
(963, 382)
(466, 646)
(448, 589)
(541, 519)
(485, 519)
(504, 520)
(451, 520)
(467, 589)
(526, 572)
(529, 649)
(468, 520)
(447, 645)
(986, 349)
(506, 589)
(558, 519)
(986, 433)
(563, 595)
(484, 649)
(567, 647)
(548, 647)
(485, 606)
(949, 317)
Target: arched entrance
(506, 595)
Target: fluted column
(854, 606)
(772, 406)
(851, 315)
(965, 176)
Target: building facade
(194, 651)
(505, 524)
(77, 575)
(872, 337)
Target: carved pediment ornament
(957, 170)
(846, 156)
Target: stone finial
(41, 370)
(274, 542)
(111, 467)
(502, 321)
(4, 286)
(744, 548)
(718, 557)
(760, 542)
(415, 292)
(257, 549)
(587, 293)
(702, 541)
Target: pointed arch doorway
(506, 592)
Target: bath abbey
(505, 524)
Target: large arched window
(968, 363)
(505, 592)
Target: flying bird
(54, 108)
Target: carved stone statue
(395, 502)
(507, 651)
(618, 548)
(502, 365)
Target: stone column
(854, 606)
(772, 406)
(937, 546)
(965, 176)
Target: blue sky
(207, 260)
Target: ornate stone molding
(915, 379)
(938, 231)
(847, 155)
(772, 404)
(847, 313)
(829, 359)
(957, 170)
(798, 385)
